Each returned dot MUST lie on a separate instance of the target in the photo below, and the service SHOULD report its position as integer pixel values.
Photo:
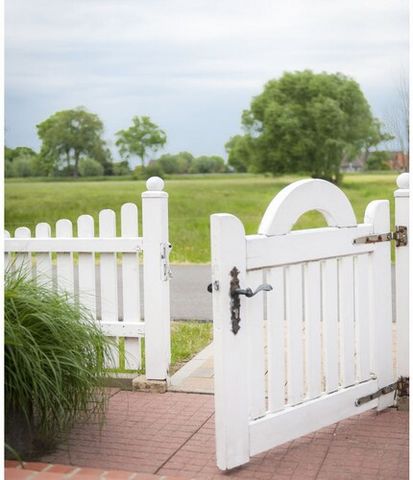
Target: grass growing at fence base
(191, 202)
(187, 339)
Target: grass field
(191, 201)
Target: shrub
(121, 168)
(90, 168)
(24, 166)
(54, 371)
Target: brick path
(172, 434)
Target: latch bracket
(399, 236)
(166, 272)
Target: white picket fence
(95, 283)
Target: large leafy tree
(68, 136)
(140, 139)
(305, 122)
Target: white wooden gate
(319, 341)
(98, 283)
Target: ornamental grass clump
(54, 371)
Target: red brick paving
(172, 435)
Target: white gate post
(402, 276)
(156, 280)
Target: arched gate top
(301, 197)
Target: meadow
(192, 200)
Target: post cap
(403, 180)
(155, 184)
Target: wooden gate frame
(237, 435)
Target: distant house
(399, 161)
(354, 165)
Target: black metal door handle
(249, 293)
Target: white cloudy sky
(191, 65)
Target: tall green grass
(54, 372)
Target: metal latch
(235, 291)
(401, 388)
(166, 272)
(399, 235)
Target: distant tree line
(303, 122)
(72, 145)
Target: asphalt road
(190, 299)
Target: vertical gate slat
(330, 323)
(276, 340)
(256, 349)
(346, 320)
(44, 273)
(64, 261)
(87, 269)
(130, 283)
(312, 299)
(362, 316)
(295, 324)
(23, 261)
(108, 281)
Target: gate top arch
(301, 197)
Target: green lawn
(192, 201)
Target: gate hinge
(399, 235)
(401, 389)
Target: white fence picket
(108, 281)
(276, 340)
(295, 325)
(256, 349)
(86, 266)
(312, 300)
(362, 316)
(44, 272)
(346, 320)
(23, 261)
(64, 261)
(130, 281)
(8, 261)
(330, 323)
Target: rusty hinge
(401, 389)
(399, 235)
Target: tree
(240, 154)
(307, 122)
(21, 162)
(378, 160)
(90, 168)
(68, 136)
(142, 137)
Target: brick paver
(172, 435)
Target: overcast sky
(191, 65)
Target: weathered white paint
(328, 316)
(103, 240)
(402, 197)
(230, 351)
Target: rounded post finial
(155, 184)
(403, 181)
